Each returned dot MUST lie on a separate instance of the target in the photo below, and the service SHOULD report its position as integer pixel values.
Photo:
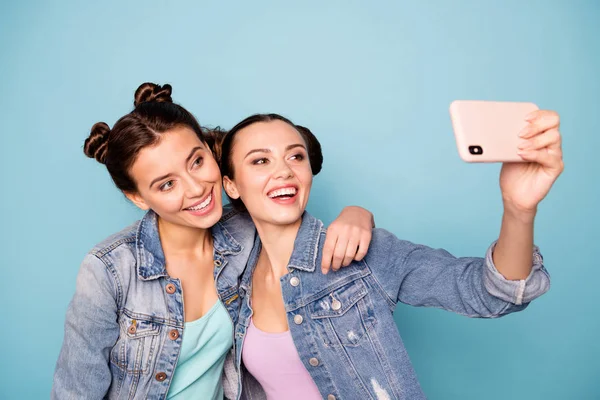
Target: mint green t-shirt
(204, 347)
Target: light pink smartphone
(487, 131)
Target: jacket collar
(305, 253)
(150, 257)
(306, 245)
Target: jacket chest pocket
(137, 345)
(344, 316)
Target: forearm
(513, 254)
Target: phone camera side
(476, 150)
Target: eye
(198, 161)
(165, 187)
(298, 157)
(260, 161)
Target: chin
(287, 218)
(210, 220)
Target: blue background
(373, 80)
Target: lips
(283, 192)
(202, 204)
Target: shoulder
(231, 216)
(124, 238)
(387, 247)
(238, 224)
(114, 258)
(383, 239)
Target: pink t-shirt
(273, 360)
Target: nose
(283, 171)
(193, 188)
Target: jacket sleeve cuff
(518, 291)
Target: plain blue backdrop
(373, 80)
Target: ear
(136, 199)
(230, 188)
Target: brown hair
(154, 114)
(315, 155)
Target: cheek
(304, 174)
(209, 172)
(251, 183)
(215, 172)
(165, 202)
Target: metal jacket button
(298, 319)
(170, 288)
(336, 305)
(174, 334)
(161, 376)
(295, 281)
(313, 361)
(132, 329)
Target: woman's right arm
(422, 276)
(91, 330)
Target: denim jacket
(124, 325)
(346, 335)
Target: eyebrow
(288, 148)
(187, 160)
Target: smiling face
(272, 172)
(178, 179)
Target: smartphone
(488, 131)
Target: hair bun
(96, 144)
(148, 92)
(315, 154)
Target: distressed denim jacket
(124, 325)
(346, 335)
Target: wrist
(515, 213)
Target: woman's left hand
(524, 185)
(347, 239)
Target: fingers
(550, 138)
(334, 252)
(351, 250)
(348, 238)
(339, 253)
(550, 159)
(541, 141)
(539, 121)
(328, 247)
(363, 246)
(340, 250)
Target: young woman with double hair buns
(302, 335)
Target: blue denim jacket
(124, 325)
(347, 337)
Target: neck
(277, 245)
(179, 240)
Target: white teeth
(290, 191)
(202, 205)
